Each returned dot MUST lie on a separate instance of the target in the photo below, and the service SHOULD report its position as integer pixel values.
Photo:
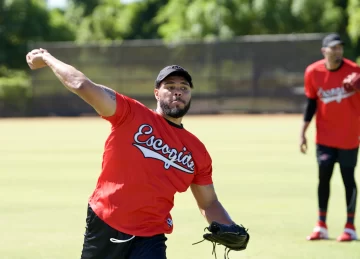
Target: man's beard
(338, 60)
(175, 112)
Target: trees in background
(82, 21)
(106, 20)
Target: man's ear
(156, 93)
(323, 51)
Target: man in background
(337, 130)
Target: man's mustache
(178, 99)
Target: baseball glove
(233, 237)
(352, 82)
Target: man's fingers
(349, 78)
(303, 148)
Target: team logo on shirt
(156, 148)
(169, 222)
(336, 94)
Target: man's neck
(333, 65)
(173, 120)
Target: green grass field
(49, 167)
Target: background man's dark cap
(331, 40)
(173, 70)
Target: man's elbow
(208, 205)
(81, 84)
(310, 109)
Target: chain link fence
(248, 74)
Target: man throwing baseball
(148, 157)
(337, 108)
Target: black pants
(329, 156)
(103, 242)
(347, 159)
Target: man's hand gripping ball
(352, 82)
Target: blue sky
(62, 3)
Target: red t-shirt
(146, 160)
(337, 114)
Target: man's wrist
(46, 56)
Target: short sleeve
(310, 90)
(124, 109)
(204, 175)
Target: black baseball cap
(331, 40)
(173, 70)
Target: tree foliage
(105, 20)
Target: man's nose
(177, 92)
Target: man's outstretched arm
(101, 98)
